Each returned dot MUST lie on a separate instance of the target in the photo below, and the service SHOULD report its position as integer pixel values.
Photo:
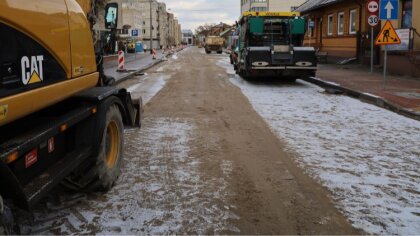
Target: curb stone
(143, 68)
(365, 97)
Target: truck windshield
(275, 31)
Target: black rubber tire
(101, 176)
(208, 52)
(6, 219)
(231, 60)
(219, 52)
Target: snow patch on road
(367, 156)
(160, 69)
(175, 56)
(149, 86)
(162, 190)
(227, 66)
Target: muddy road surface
(204, 162)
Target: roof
(311, 5)
(225, 32)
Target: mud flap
(138, 106)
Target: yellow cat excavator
(60, 120)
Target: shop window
(352, 22)
(340, 25)
(407, 14)
(330, 24)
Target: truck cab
(271, 45)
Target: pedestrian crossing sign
(388, 35)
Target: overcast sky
(193, 13)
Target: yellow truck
(60, 120)
(214, 44)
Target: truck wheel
(219, 52)
(208, 52)
(107, 168)
(110, 156)
(6, 219)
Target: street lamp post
(151, 28)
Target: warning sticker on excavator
(4, 109)
(388, 35)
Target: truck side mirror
(111, 15)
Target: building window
(352, 22)
(330, 24)
(407, 14)
(340, 25)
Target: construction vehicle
(215, 44)
(60, 121)
(271, 45)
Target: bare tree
(204, 29)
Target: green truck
(270, 44)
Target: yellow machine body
(61, 28)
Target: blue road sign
(311, 24)
(135, 33)
(388, 9)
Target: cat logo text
(32, 69)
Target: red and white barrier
(121, 62)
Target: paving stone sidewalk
(400, 92)
(134, 64)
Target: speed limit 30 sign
(373, 20)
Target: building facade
(163, 27)
(131, 20)
(177, 32)
(171, 30)
(141, 20)
(341, 29)
(149, 14)
(270, 5)
(187, 37)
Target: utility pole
(151, 28)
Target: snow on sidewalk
(368, 157)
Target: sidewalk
(401, 94)
(134, 63)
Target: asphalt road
(204, 162)
(207, 160)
